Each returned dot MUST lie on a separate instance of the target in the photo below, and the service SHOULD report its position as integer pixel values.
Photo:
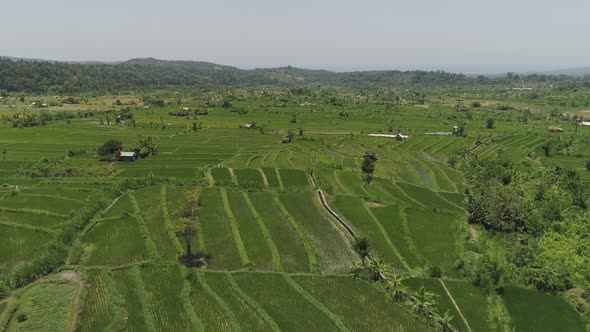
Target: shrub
(109, 147)
(435, 271)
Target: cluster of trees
(145, 146)
(42, 118)
(544, 219)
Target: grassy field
(290, 310)
(219, 241)
(292, 253)
(533, 311)
(48, 305)
(353, 209)
(274, 258)
(332, 247)
(19, 245)
(115, 241)
(251, 234)
(361, 307)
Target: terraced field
(272, 256)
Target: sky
(472, 36)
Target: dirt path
(112, 203)
(74, 276)
(264, 179)
(455, 304)
(209, 177)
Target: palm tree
(423, 302)
(377, 268)
(397, 288)
(445, 321)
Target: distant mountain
(577, 71)
(190, 65)
(43, 76)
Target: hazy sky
(466, 35)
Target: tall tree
(186, 219)
(368, 166)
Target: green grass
(294, 179)
(37, 220)
(394, 191)
(123, 204)
(534, 311)
(115, 241)
(163, 287)
(351, 182)
(96, 313)
(395, 226)
(151, 211)
(473, 303)
(354, 211)
(246, 316)
(19, 245)
(360, 306)
(221, 176)
(330, 244)
(435, 235)
(132, 294)
(291, 250)
(46, 203)
(252, 237)
(271, 178)
(285, 305)
(208, 309)
(48, 306)
(427, 197)
(219, 241)
(249, 178)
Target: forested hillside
(58, 77)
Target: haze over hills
(43, 76)
(467, 69)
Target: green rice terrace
(272, 209)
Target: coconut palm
(445, 322)
(423, 302)
(398, 290)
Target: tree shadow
(195, 260)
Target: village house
(398, 136)
(127, 155)
(556, 129)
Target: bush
(435, 271)
(21, 317)
(488, 274)
(109, 147)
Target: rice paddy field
(275, 258)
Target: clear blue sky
(466, 35)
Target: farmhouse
(555, 129)
(186, 109)
(250, 125)
(584, 124)
(126, 155)
(398, 136)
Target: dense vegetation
(139, 74)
